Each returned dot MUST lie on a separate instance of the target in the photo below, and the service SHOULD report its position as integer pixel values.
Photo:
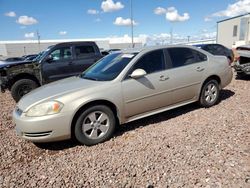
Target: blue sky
(70, 19)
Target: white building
(234, 32)
(25, 47)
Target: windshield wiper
(89, 78)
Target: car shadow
(225, 94)
(62, 145)
(243, 77)
(167, 115)
(58, 146)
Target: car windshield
(109, 67)
(42, 54)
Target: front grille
(38, 134)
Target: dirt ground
(186, 147)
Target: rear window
(216, 49)
(185, 56)
(82, 51)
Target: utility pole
(132, 24)
(171, 36)
(188, 38)
(38, 40)
(24, 50)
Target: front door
(59, 66)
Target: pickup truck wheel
(95, 125)
(209, 94)
(22, 87)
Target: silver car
(120, 88)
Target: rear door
(187, 71)
(60, 65)
(85, 56)
(150, 92)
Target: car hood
(12, 63)
(55, 90)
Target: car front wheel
(95, 125)
(22, 87)
(209, 94)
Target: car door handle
(163, 78)
(199, 69)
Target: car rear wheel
(95, 125)
(22, 87)
(209, 94)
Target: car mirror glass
(49, 59)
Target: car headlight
(46, 108)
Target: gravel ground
(185, 147)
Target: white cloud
(165, 38)
(207, 19)
(208, 35)
(93, 11)
(10, 14)
(123, 22)
(98, 20)
(124, 39)
(235, 9)
(240, 7)
(63, 33)
(29, 35)
(26, 20)
(160, 11)
(111, 6)
(173, 16)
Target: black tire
(22, 87)
(85, 137)
(209, 97)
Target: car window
(61, 54)
(82, 51)
(219, 50)
(209, 48)
(151, 62)
(199, 56)
(185, 56)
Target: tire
(209, 94)
(22, 87)
(95, 125)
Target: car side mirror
(49, 59)
(138, 73)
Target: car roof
(150, 48)
(75, 43)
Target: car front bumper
(43, 129)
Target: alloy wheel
(95, 125)
(211, 93)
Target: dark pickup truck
(56, 62)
